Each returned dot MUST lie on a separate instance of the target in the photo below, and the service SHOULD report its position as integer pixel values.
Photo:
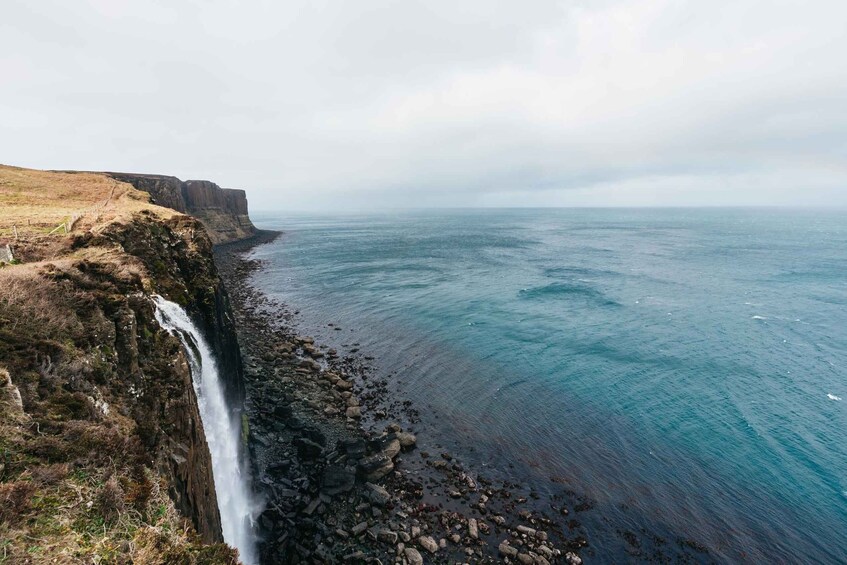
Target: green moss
(245, 429)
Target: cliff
(103, 455)
(223, 211)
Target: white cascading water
(223, 434)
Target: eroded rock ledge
(222, 210)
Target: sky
(341, 105)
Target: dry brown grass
(35, 202)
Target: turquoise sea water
(685, 369)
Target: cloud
(312, 104)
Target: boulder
(375, 467)
(507, 550)
(428, 544)
(413, 556)
(387, 536)
(572, 558)
(307, 449)
(377, 494)
(406, 439)
(337, 479)
(473, 528)
(392, 448)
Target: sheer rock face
(124, 377)
(223, 211)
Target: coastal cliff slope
(103, 456)
(222, 210)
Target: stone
(525, 558)
(416, 531)
(507, 550)
(337, 479)
(375, 467)
(354, 448)
(428, 544)
(354, 412)
(572, 558)
(359, 528)
(341, 384)
(473, 528)
(392, 448)
(307, 449)
(541, 535)
(377, 494)
(387, 536)
(406, 439)
(413, 556)
(526, 530)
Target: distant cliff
(223, 211)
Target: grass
(36, 202)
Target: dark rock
(377, 494)
(375, 467)
(307, 449)
(338, 479)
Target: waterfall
(223, 432)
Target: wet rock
(338, 479)
(428, 544)
(307, 449)
(525, 558)
(507, 550)
(359, 528)
(392, 448)
(377, 494)
(526, 530)
(473, 528)
(375, 467)
(387, 536)
(572, 558)
(413, 556)
(353, 448)
(406, 439)
(341, 384)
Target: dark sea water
(682, 368)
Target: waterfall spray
(222, 431)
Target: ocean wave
(567, 290)
(831, 396)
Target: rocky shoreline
(342, 481)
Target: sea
(683, 370)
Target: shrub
(15, 501)
(111, 500)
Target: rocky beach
(342, 473)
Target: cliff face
(103, 455)
(222, 210)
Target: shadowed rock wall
(223, 211)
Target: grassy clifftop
(102, 455)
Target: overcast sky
(313, 104)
